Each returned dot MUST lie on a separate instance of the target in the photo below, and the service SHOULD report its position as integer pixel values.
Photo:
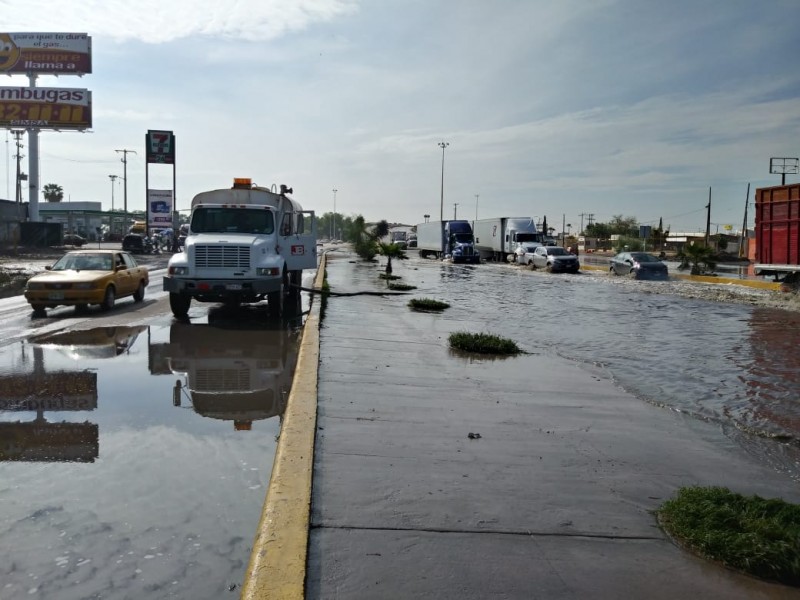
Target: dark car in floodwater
(639, 265)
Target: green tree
(391, 251)
(362, 238)
(698, 258)
(53, 192)
(624, 226)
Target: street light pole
(333, 224)
(442, 145)
(455, 211)
(476, 206)
(113, 179)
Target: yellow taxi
(84, 277)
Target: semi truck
(244, 244)
(447, 239)
(777, 231)
(496, 239)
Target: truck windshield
(463, 237)
(529, 237)
(232, 220)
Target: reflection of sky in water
(168, 509)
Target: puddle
(134, 461)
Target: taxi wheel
(138, 295)
(38, 309)
(108, 299)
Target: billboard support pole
(33, 166)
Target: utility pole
(708, 217)
(744, 224)
(18, 136)
(589, 217)
(455, 211)
(124, 160)
(476, 206)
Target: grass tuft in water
(427, 305)
(401, 287)
(483, 343)
(752, 534)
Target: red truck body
(778, 230)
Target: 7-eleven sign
(160, 147)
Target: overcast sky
(556, 108)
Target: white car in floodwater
(524, 252)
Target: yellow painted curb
(277, 568)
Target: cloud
(156, 21)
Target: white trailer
(245, 244)
(496, 239)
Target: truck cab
(244, 244)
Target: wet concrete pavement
(553, 499)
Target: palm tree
(391, 251)
(700, 258)
(53, 192)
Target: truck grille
(215, 256)
(222, 380)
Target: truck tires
(179, 303)
(275, 299)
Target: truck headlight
(273, 271)
(178, 270)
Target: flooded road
(134, 460)
(732, 364)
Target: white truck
(244, 244)
(496, 239)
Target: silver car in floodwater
(639, 265)
(554, 259)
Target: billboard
(45, 108)
(159, 209)
(46, 53)
(160, 146)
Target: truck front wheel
(275, 299)
(179, 303)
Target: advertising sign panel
(46, 53)
(45, 108)
(159, 209)
(160, 147)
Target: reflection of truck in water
(447, 239)
(497, 238)
(777, 231)
(230, 373)
(244, 244)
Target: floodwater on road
(134, 460)
(732, 364)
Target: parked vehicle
(84, 277)
(399, 237)
(73, 239)
(639, 265)
(523, 255)
(245, 244)
(777, 231)
(554, 259)
(496, 239)
(447, 239)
